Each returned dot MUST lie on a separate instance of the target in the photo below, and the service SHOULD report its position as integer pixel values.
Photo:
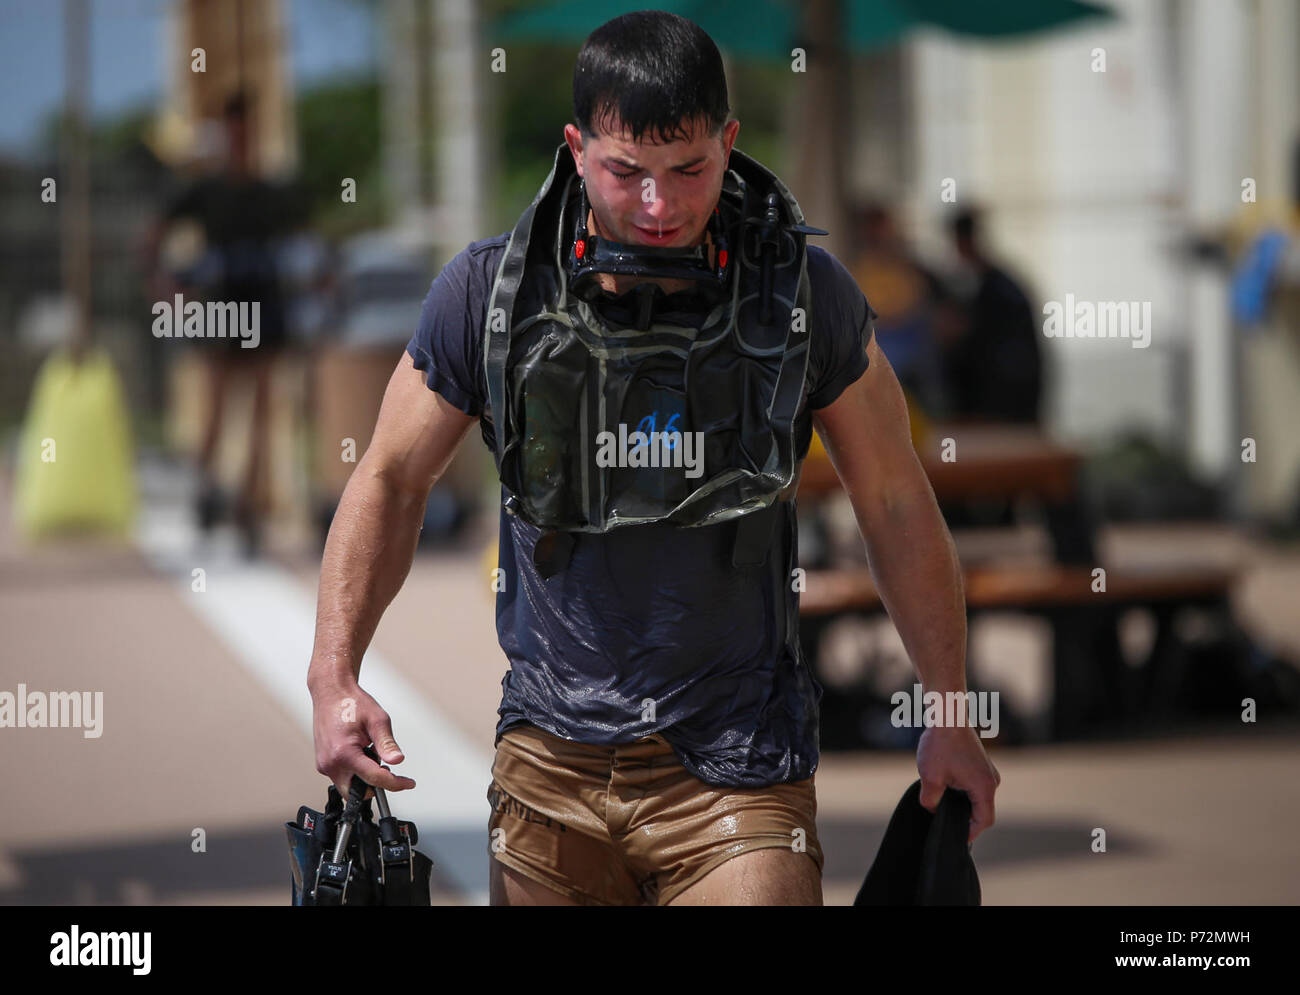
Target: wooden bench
(992, 461)
(1091, 678)
(1030, 588)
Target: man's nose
(654, 196)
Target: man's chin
(671, 237)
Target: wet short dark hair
(654, 73)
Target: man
(994, 364)
(658, 726)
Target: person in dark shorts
(647, 354)
(241, 216)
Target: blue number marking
(647, 426)
(671, 427)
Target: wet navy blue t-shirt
(653, 613)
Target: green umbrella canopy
(770, 28)
(871, 23)
(762, 28)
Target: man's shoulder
(476, 263)
(485, 254)
(466, 278)
(830, 281)
(485, 246)
(827, 272)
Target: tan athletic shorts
(629, 825)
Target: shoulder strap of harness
(501, 305)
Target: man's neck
(619, 284)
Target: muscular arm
(372, 541)
(915, 566)
(910, 551)
(368, 554)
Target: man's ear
(729, 132)
(574, 139)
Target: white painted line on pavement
(267, 619)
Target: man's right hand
(345, 721)
(368, 552)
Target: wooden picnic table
(989, 461)
(1010, 462)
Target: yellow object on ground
(74, 460)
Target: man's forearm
(368, 554)
(918, 574)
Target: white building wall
(1078, 173)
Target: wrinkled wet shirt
(650, 628)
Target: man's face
(652, 194)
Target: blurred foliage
(759, 93)
(339, 136)
(114, 141)
(533, 104)
(340, 124)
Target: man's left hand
(954, 757)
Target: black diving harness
(591, 254)
(764, 241)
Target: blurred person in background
(992, 360)
(241, 217)
(907, 299)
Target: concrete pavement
(198, 734)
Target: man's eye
(695, 173)
(623, 176)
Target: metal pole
(75, 215)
